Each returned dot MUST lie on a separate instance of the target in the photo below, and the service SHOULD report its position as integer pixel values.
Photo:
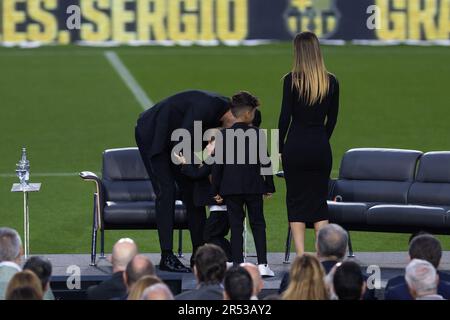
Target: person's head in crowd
(24, 293)
(258, 282)
(243, 107)
(272, 297)
(123, 251)
(158, 291)
(210, 264)
(331, 242)
(41, 267)
(306, 280)
(143, 283)
(421, 278)
(416, 234)
(426, 247)
(238, 284)
(348, 281)
(137, 268)
(10, 246)
(25, 279)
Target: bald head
(258, 283)
(137, 268)
(123, 251)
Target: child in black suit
(238, 181)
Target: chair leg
(287, 252)
(94, 234)
(102, 243)
(350, 248)
(180, 243)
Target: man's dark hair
(348, 281)
(238, 284)
(243, 101)
(41, 267)
(24, 293)
(426, 247)
(137, 268)
(416, 234)
(210, 263)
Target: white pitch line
(129, 80)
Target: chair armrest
(280, 174)
(100, 199)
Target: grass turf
(67, 104)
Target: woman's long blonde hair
(306, 280)
(309, 74)
(138, 288)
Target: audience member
(24, 279)
(258, 282)
(307, 280)
(348, 281)
(41, 267)
(209, 269)
(10, 256)
(157, 291)
(422, 280)
(123, 251)
(143, 283)
(425, 247)
(238, 284)
(24, 293)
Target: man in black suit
(209, 269)
(238, 178)
(123, 251)
(425, 247)
(153, 136)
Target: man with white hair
(157, 291)
(10, 256)
(123, 252)
(422, 280)
(258, 282)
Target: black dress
(306, 152)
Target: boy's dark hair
(40, 267)
(348, 281)
(426, 247)
(243, 101)
(257, 119)
(210, 263)
(238, 284)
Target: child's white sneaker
(265, 271)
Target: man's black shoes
(172, 264)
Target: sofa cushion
(407, 216)
(123, 164)
(372, 191)
(427, 193)
(434, 167)
(140, 214)
(138, 190)
(379, 164)
(347, 212)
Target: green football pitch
(67, 105)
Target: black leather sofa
(124, 198)
(391, 190)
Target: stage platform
(390, 263)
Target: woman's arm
(333, 110)
(286, 111)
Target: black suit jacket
(203, 194)
(241, 178)
(108, 289)
(397, 289)
(155, 125)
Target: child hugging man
(238, 179)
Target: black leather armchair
(124, 198)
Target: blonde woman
(308, 116)
(139, 287)
(307, 280)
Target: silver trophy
(23, 169)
